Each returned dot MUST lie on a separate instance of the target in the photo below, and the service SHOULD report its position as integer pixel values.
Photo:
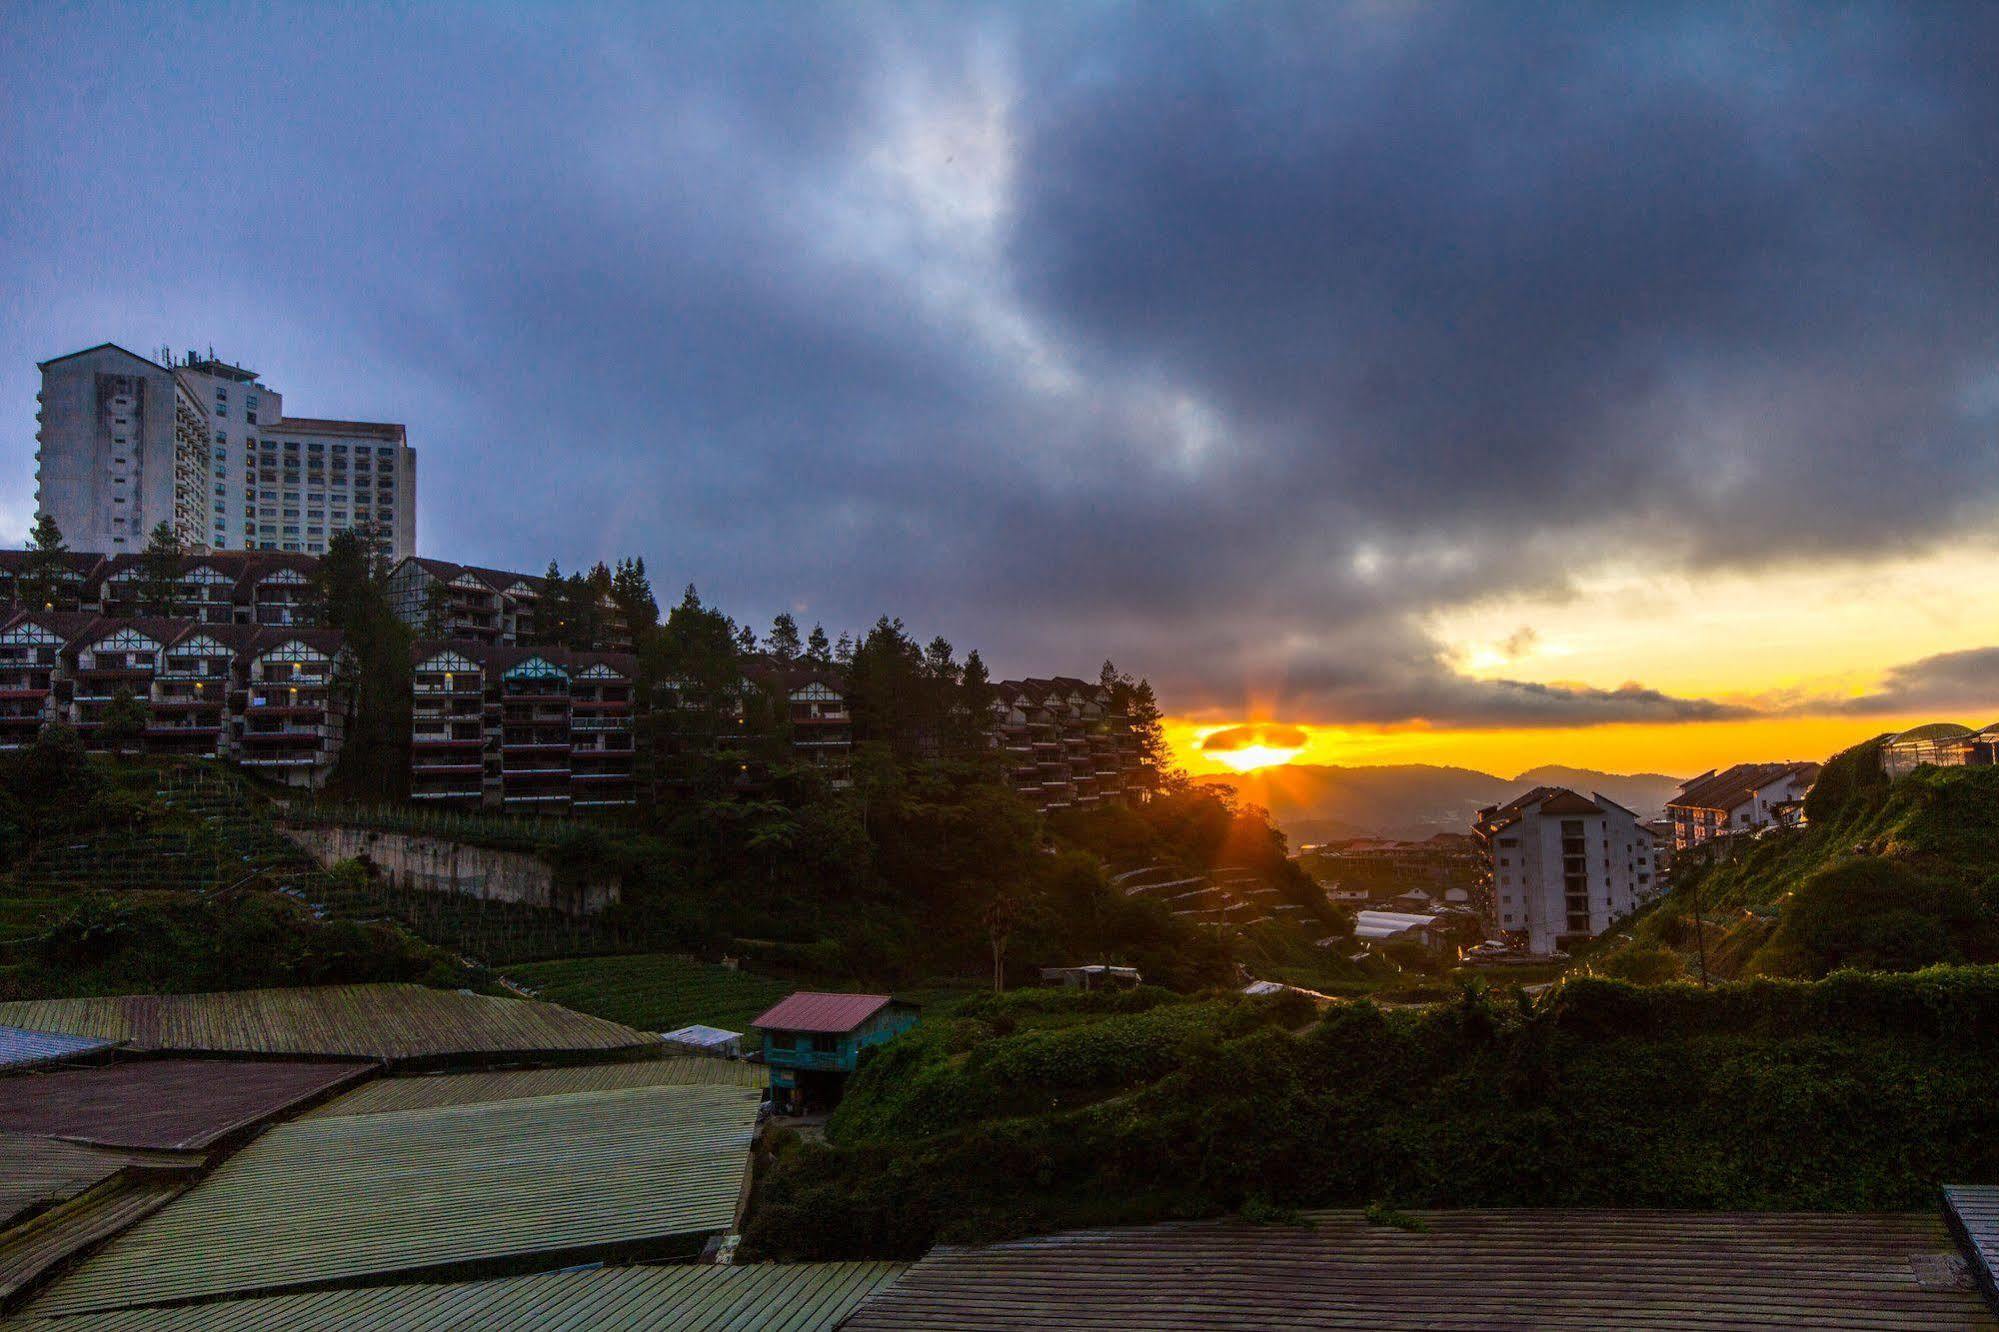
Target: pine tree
(631, 591)
(44, 584)
(159, 571)
(817, 650)
(782, 641)
(1148, 730)
(843, 651)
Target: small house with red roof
(813, 1043)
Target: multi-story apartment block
(74, 576)
(463, 601)
(1744, 798)
(126, 443)
(522, 728)
(122, 445)
(268, 588)
(1063, 742)
(273, 699)
(822, 729)
(1558, 867)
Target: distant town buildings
(1944, 744)
(125, 443)
(1745, 798)
(1559, 867)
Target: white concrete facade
(120, 448)
(1564, 866)
(126, 442)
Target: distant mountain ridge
(1322, 803)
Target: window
(825, 1044)
(780, 1040)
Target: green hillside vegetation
(1881, 878)
(1002, 1119)
(653, 991)
(127, 877)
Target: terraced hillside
(652, 991)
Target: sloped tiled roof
(811, 1010)
(1727, 789)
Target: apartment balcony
(17, 692)
(427, 768)
(602, 725)
(285, 709)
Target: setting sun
(1257, 756)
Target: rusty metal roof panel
(166, 1104)
(810, 1010)
(384, 1095)
(789, 1297)
(465, 1190)
(393, 1022)
(1517, 1268)
(21, 1048)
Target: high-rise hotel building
(126, 443)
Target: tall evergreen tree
(631, 592)
(351, 585)
(44, 582)
(159, 570)
(818, 651)
(781, 643)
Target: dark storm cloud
(1226, 342)
(1949, 682)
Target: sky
(1485, 384)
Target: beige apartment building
(124, 443)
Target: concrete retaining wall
(438, 865)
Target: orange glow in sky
(1790, 647)
(1255, 756)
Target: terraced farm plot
(653, 991)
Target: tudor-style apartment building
(1064, 743)
(522, 729)
(267, 588)
(271, 698)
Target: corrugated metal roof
(548, 1179)
(21, 1048)
(1974, 1212)
(29, 1250)
(809, 1010)
(367, 1021)
(791, 1297)
(390, 1094)
(165, 1104)
(40, 1172)
(1540, 1269)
